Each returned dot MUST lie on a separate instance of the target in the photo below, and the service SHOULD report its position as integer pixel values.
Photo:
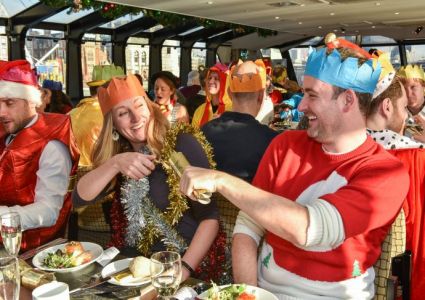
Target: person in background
(238, 129)
(386, 121)
(413, 79)
(54, 99)
(198, 99)
(131, 156)
(193, 85)
(266, 114)
(37, 155)
(238, 139)
(290, 108)
(87, 120)
(165, 87)
(281, 80)
(313, 187)
(216, 95)
(274, 94)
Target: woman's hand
(134, 165)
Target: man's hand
(198, 178)
(419, 119)
(134, 165)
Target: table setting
(62, 269)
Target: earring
(115, 135)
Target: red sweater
(367, 186)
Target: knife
(30, 253)
(98, 281)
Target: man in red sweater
(323, 198)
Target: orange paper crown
(118, 90)
(247, 83)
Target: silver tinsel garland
(140, 211)
(131, 192)
(168, 234)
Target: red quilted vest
(18, 167)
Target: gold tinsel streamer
(178, 202)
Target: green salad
(59, 260)
(230, 292)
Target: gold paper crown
(387, 72)
(252, 82)
(411, 72)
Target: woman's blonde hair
(105, 147)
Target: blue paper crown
(346, 74)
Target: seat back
(393, 245)
(228, 215)
(90, 222)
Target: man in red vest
(37, 155)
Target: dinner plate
(260, 294)
(119, 265)
(95, 249)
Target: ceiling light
(210, 2)
(335, 30)
(357, 31)
(332, 14)
(302, 5)
(320, 27)
(284, 4)
(300, 23)
(378, 3)
(277, 18)
(396, 13)
(373, 26)
(419, 29)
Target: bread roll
(140, 267)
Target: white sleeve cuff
(246, 225)
(325, 228)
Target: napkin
(185, 293)
(108, 255)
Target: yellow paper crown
(247, 83)
(411, 72)
(387, 72)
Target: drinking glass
(166, 273)
(9, 278)
(11, 232)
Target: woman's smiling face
(131, 119)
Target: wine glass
(166, 273)
(9, 278)
(11, 232)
